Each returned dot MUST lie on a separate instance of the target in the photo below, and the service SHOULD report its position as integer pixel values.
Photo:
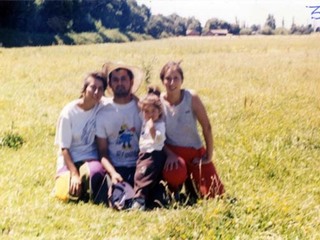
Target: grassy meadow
(263, 99)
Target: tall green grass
(262, 97)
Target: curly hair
(152, 99)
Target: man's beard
(121, 92)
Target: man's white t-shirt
(75, 131)
(120, 124)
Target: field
(262, 97)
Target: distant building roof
(192, 32)
(216, 32)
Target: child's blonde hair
(152, 98)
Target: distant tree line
(270, 28)
(59, 17)
(83, 16)
(47, 16)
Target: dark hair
(152, 98)
(171, 65)
(97, 76)
(154, 90)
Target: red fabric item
(176, 177)
(205, 176)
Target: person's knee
(178, 176)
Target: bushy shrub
(84, 38)
(15, 38)
(114, 35)
(281, 31)
(138, 37)
(245, 31)
(267, 30)
(11, 140)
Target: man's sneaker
(138, 204)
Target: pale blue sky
(246, 11)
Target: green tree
(215, 23)
(18, 15)
(270, 22)
(193, 23)
(267, 30)
(107, 11)
(83, 21)
(212, 23)
(176, 25)
(298, 30)
(234, 29)
(245, 31)
(156, 25)
(308, 30)
(55, 16)
(139, 17)
(255, 28)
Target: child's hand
(150, 126)
(150, 123)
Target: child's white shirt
(147, 143)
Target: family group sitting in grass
(130, 153)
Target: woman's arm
(75, 183)
(63, 140)
(203, 119)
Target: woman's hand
(171, 163)
(75, 185)
(203, 160)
